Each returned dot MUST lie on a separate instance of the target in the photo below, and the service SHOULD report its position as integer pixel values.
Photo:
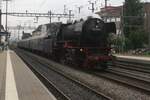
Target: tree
(133, 15)
(138, 39)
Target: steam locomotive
(82, 43)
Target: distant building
(114, 14)
(41, 30)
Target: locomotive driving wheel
(68, 57)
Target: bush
(137, 40)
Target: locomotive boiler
(82, 43)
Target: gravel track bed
(136, 70)
(134, 65)
(49, 85)
(115, 90)
(71, 89)
(126, 80)
(134, 73)
(131, 68)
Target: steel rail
(52, 88)
(71, 78)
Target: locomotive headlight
(81, 50)
(97, 26)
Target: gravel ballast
(71, 89)
(115, 90)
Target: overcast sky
(55, 5)
(45, 5)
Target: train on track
(82, 43)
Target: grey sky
(46, 5)
(55, 5)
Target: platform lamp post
(8, 36)
(6, 13)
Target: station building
(115, 13)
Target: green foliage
(136, 40)
(128, 44)
(147, 53)
(135, 37)
(133, 16)
(117, 41)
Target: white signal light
(81, 50)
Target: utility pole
(0, 14)
(93, 6)
(79, 9)
(122, 29)
(148, 26)
(0, 19)
(70, 12)
(7, 37)
(106, 11)
(106, 3)
(50, 16)
(148, 15)
(6, 14)
(65, 9)
(19, 27)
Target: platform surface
(18, 82)
(134, 57)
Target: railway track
(77, 91)
(123, 76)
(51, 87)
(129, 74)
(126, 79)
(133, 66)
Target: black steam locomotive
(82, 43)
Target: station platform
(134, 58)
(18, 82)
